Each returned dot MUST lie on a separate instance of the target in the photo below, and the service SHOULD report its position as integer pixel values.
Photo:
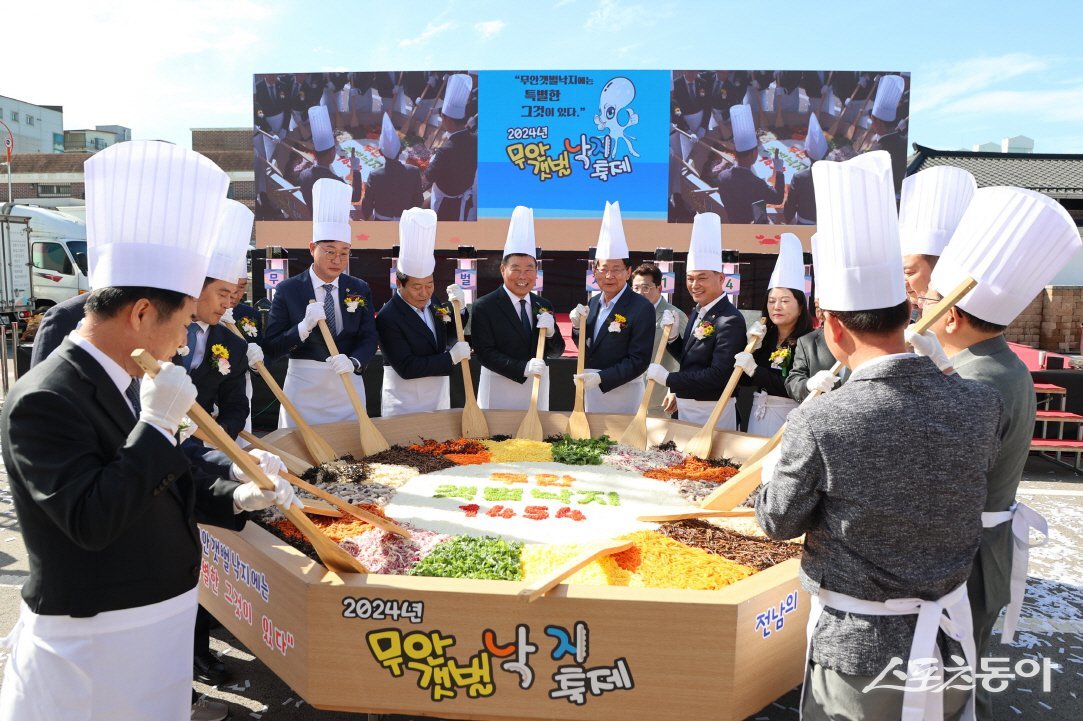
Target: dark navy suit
(498, 337)
(227, 392)
(307, 179)
(391, 190)
(408, 345)
(58, 322)
(620, 357)
(739, 188)
(242, 310)
(706, 364)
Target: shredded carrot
(693, 469)
(336, 529)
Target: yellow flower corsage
(221, 358)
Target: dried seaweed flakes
(758, 553)
(403, 456)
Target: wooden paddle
(355, 511)
(320, 450)
(421, 131)
(701, 443)
(671, 517)
(578, 426)
(319, 508)
(372, 441)
(842, 111)
(635, 435)
(333, 556)
(474, 425)
(295, 465)
(852, 130)
(531, 429)
(542, 585)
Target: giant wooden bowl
(680, 654)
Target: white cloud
(1060, 105)
(489, 29)
(936, 85)
(431, 30)
(613, 16)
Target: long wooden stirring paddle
(635, 434)
(578, 426)
(531, 428)
(474, 424)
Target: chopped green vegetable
(587, 452)
(488, 558)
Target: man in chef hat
(395, 187)
(504, 325)
(932, 204)
(1026, 238)
(885, 121)
(101, 490)
(323, 142)
(880, 535)
(715, 333)
(739, 187)
(800, 207)
(325, 292)
(417, 334)
(455, 163)
(620, 327)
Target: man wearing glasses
(323, 292)
(647, 281)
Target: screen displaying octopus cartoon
(742, 142)
(399, 139)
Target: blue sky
(162, 68)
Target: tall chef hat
(611, 242)
(232, 236)
(323, 136)
(520, 239)
(815, 142)
(856, 247)
(744, 128)
(456, 95)
(1012, 241)
(390, 145)
(417, 243)
(932, 204)
(888, 94)
(789, 269)
(330, 210)
(152, 211)
(705, 248)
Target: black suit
(243, 310)
(706, 364)
(498, 337)
(392, 189)
(227, 392)
(739, 188)
(809, 358)
(107, 506)
(57, 323)
(272, 100)
(801, 200)
(357, 339)
(453, 168)
(307, 179)
(408, 345)
(895, 145)
(620, 357)
(689, 102)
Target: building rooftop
(1059, 176)
(48, 162)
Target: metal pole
(15, 347)
(4, 357)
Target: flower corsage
(353, 302)
(617, 324)
(443, 313)
(248, 327)
(782, 360)
(703, 329)
(221, 358)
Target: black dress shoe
(209, 669)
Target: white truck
(43, 259)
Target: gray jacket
(886, 478)
(809, 358)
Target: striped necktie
(132, 394)
(329, 306)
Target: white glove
(340, 364)
(579, 311)
(757, 330)
(670, 319)
(546, 321)
(658, 374)
(589, 380)
(927, 344)
(313, 315)
(745, 362)
(183, 351)
(455, 292)
(186, 430)
(823, 381)
(255, 355)
(227, 317)
(166, 398)
(250, 497)
(269, 463)
(459, 352)
(534, 367)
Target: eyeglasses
(926, 302)
(640, 287)
(331, 253)
(611, 272)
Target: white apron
(318, 393)
(697, 412)
(768, 413)
(1023, 518)
(417, 395)
(622, 399)
(438, 197)
(950, 613)
(495, 392)
(129, 665)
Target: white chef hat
(152, 210)
(888, 94)
(319, 121)
(856, 248)
(815, 142)
(744, 128)
(232, 236)
(330, 210)
(611, 242)
(789, 269)
(931, 206)
(417, 243)
(390, 145)
(456, 95)
(705, 247)
(1012, 241)
(520, 240)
